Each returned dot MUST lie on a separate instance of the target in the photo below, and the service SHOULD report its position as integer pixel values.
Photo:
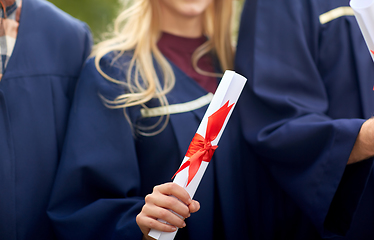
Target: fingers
(161, 197)
(164, 200)
(175, 190)
(168, 202)
(160, 211)
(146, 223)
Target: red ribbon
(201, 148)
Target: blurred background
(99, 14)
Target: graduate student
(42, 52)
(308, 118)
(128, 131)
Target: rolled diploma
(364, 13)
(229, 89)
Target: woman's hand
(157, 204)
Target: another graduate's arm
(296, 113)
(364, 146)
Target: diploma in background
(224, 101)
(364, 13)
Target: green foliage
(99, 15)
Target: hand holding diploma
(177, 196)
(157, 203)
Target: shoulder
(47, 14)
(54, 26)
(92, 75)
(295, 9)
(61, 42)
(302, 19)
(114, 64)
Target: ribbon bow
(201, 148)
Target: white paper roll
(229, 90)
(364, 13)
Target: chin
(192, 13)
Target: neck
(7, 3)
(190, 27)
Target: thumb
(194, 206)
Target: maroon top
(179, 51)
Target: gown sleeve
(298, 117)
(96, 192)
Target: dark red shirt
(179, 51)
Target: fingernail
(184, 224)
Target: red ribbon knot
(201, 149)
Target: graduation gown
(106, 169)
(310, 87)
(35, 98)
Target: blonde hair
(137, 30)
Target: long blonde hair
(137, 30)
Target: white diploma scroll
(228, 91)
(364, 13)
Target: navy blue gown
(35, 98)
